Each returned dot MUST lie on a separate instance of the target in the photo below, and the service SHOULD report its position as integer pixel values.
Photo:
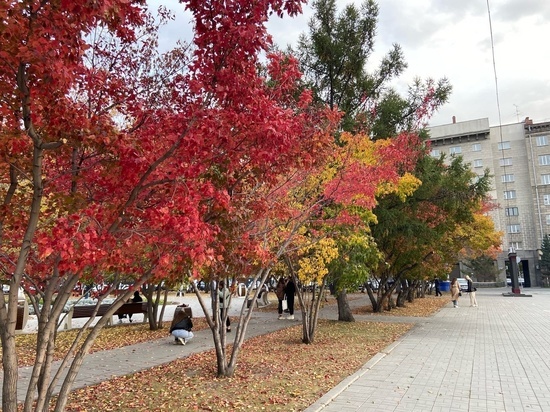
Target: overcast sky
(452, 38)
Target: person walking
(181, 327)
(472, 291)
(455, 292)
(437, 285)
(280, 293)
(224, 297)
(290, 291)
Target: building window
(507, 178)
(512, 211)
(516, 245)
(546, 200)
(503, 145)
(455, 150)
(476, 147)
(514, 228)
(548, 219)
(478, 163)
(544, 160)
(509, 194)
(507, 161)
(542, 140)
(545, 179)
(435, 153)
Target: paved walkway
(492, 358)
(100, 366)
(495, 357)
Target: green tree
(357, 255)
(334, 57)
(483, 268)
(545, 260)
(421, 237)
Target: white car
(463, 283)
(521, 281)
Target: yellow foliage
(482, 236)
(406, 186)
(313, 266)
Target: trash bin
(241, 290)
(22, 314)
(445, 286)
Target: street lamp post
(512, 256)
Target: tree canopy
(333, 57)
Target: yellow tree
(344, 194)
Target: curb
(328, 397)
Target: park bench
(86, 311)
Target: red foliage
(165, 186)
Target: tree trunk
(310, 304)
(344, 311)
(9, 364)
(216, 319)
(402, 296)
(155, 312)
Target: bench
(86, 311)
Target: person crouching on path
(472, 291)
(280, 292)
(181, 327)
(455, 292)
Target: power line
(509, 235)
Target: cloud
(448, 38)
(514, 10)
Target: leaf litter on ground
(275, 372)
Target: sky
(452, 39)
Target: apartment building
(518, 157)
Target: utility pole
(517, 112)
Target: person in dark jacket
(181, 327)
(437, 285)
(137, 298)
(280, 292)
(472, 291)
(290, 291)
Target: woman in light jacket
(455, 292)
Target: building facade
(518, 158)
